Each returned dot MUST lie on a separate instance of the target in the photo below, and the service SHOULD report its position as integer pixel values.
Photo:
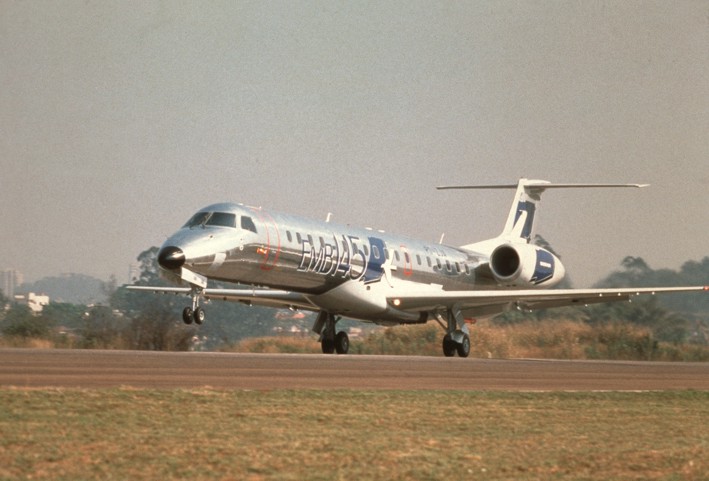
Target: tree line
(146, 321)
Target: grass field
(294, 435)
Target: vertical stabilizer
(520, 221)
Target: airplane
(286, 261)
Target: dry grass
(294, 435)
(271, 345)
(27, 343)
(537, 339)
(551, 339)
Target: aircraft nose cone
(171, 257)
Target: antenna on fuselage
(440, 241)
(329, 216)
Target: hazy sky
(118, 120)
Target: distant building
(10, 279)
(35, 302)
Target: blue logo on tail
(529, 208)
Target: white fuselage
(342, 269)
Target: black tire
(342, 342)
(464, 347)
(187, 314)
(449, 346)
(199, 315)
(328, 345)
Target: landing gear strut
(194, 312)
(331, 341)
(457, 338)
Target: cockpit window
(197, 220)
(248, 224)
(220, 219)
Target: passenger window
(418, 259)
(248, 224)
(438, 263)
(448, 265)
(428, 260)
(298, 238)
(290, 237)
(396, 256)
(457, 267)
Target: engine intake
(525, 265)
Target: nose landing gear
(194, 313)
(190, 315)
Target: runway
(140, 369)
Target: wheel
(463, 348)
(328, 345)
(342, 342)
(449, 346)
(198, 315)
(187, 315)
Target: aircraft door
(408, 262)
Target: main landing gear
(331, 341)
(457, 338)
(194, 313)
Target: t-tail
(520, 225)
(514, 260)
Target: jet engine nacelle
(525, 265)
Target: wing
(479, 303)
(499, 300)
(251, 296)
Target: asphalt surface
(105, 369)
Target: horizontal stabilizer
(520, 223)
(539, 185)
